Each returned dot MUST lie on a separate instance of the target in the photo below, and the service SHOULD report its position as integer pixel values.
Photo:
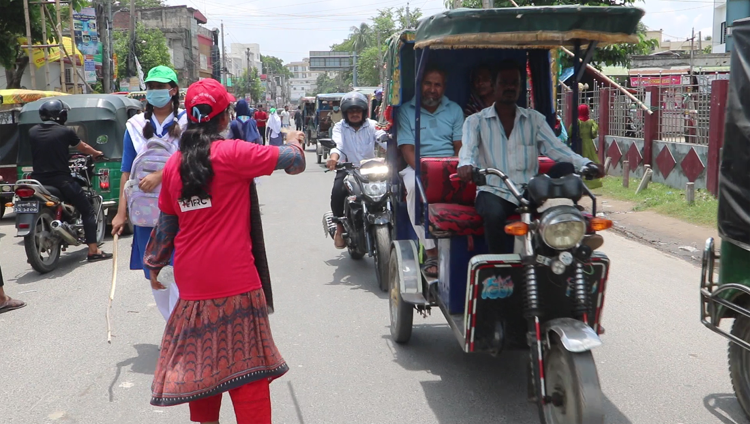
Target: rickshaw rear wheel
(402, 313)
(572, 383)
(739, 363)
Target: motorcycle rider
(50, 142)
(355, 137)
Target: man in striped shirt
(509, 138)
(440, 136)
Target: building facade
(180, 26)
(303, 80)
(244, 54)
(725, 13)
(205, 45)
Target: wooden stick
(112, 289)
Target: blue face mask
(158, 98)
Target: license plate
(26, 207)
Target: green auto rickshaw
(729, 296)
(99, 120)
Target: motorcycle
(367, 213)
(47, 223)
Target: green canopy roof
(528, 27)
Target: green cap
(273, 110)
(163, 74)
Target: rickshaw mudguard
(409, 273)
(495, 295)
(574, 335)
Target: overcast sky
(289, 29)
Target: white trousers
(407, 175)
(166, 299)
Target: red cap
(207, 92)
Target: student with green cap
(154, 133)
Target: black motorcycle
(367, 214)
(47, 223)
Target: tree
(12, 26)
(361, 37)
(249, 83)
(274, 65)
(150, 48)
(613, 55)
(326, 84)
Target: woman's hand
(295, 137)
(150, 182)
(155, 284)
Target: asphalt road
(658, 365)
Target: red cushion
(545, 164)
(447, 219)
(435, 175)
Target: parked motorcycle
(47, 223)
(367, 213)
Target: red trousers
(252, 405)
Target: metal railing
(685, 113)
(626, 118)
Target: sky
(289, 29)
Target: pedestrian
(482, 91)
(244, 126)
(588, 130)
(298, 118)
(274, 129)
(219, 337)
(285, 118)
(261, 118)
(163, 121)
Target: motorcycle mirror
(327, 142)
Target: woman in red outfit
(218, 338)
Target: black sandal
(430, 263)
(100, 257)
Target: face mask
(158, 98)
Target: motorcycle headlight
(562, 227)
(375, 190)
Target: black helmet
(353, 99)
(54, 110)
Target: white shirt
(284, 117)
(274, 124)
(485, 145)
(354, 146)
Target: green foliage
(13, 25)
(326, 84)
(145, 4)
(150, 49)
(614, 55)
(274, 65)
(249, 83)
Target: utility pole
(58, 33)
(380, 60)
(247, 55)
(457, 4)
(131, 51)
(103, 23)
(488, 4)
(354, 70)
(408, 18)
(223, 57)
(692, 55)
(30, 51)
(700, 42)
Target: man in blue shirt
(440, 136)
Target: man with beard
(509, 138)
(440, 136)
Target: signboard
(87, 41)
(649, 81)
(330, 61)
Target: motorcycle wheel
(382, 237)
(42, 249)
(572, 382)
(739, 363)
(101, 223)
(402, 313)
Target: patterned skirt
(212, 346)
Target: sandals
(430, 262)
(100, 257)
(11, 305)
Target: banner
(54, 53)
(88, 42)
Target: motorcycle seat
(54, 191)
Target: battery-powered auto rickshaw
(728, 297)
(99, 120)
(308, 119)
(11, 103)
(546, 297)
(324, 104)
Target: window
(723, 34)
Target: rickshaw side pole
(575, 142)
(419, 214)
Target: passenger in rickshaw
(355, 137)
(510, 138)
(440, 136)
(482, 91)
